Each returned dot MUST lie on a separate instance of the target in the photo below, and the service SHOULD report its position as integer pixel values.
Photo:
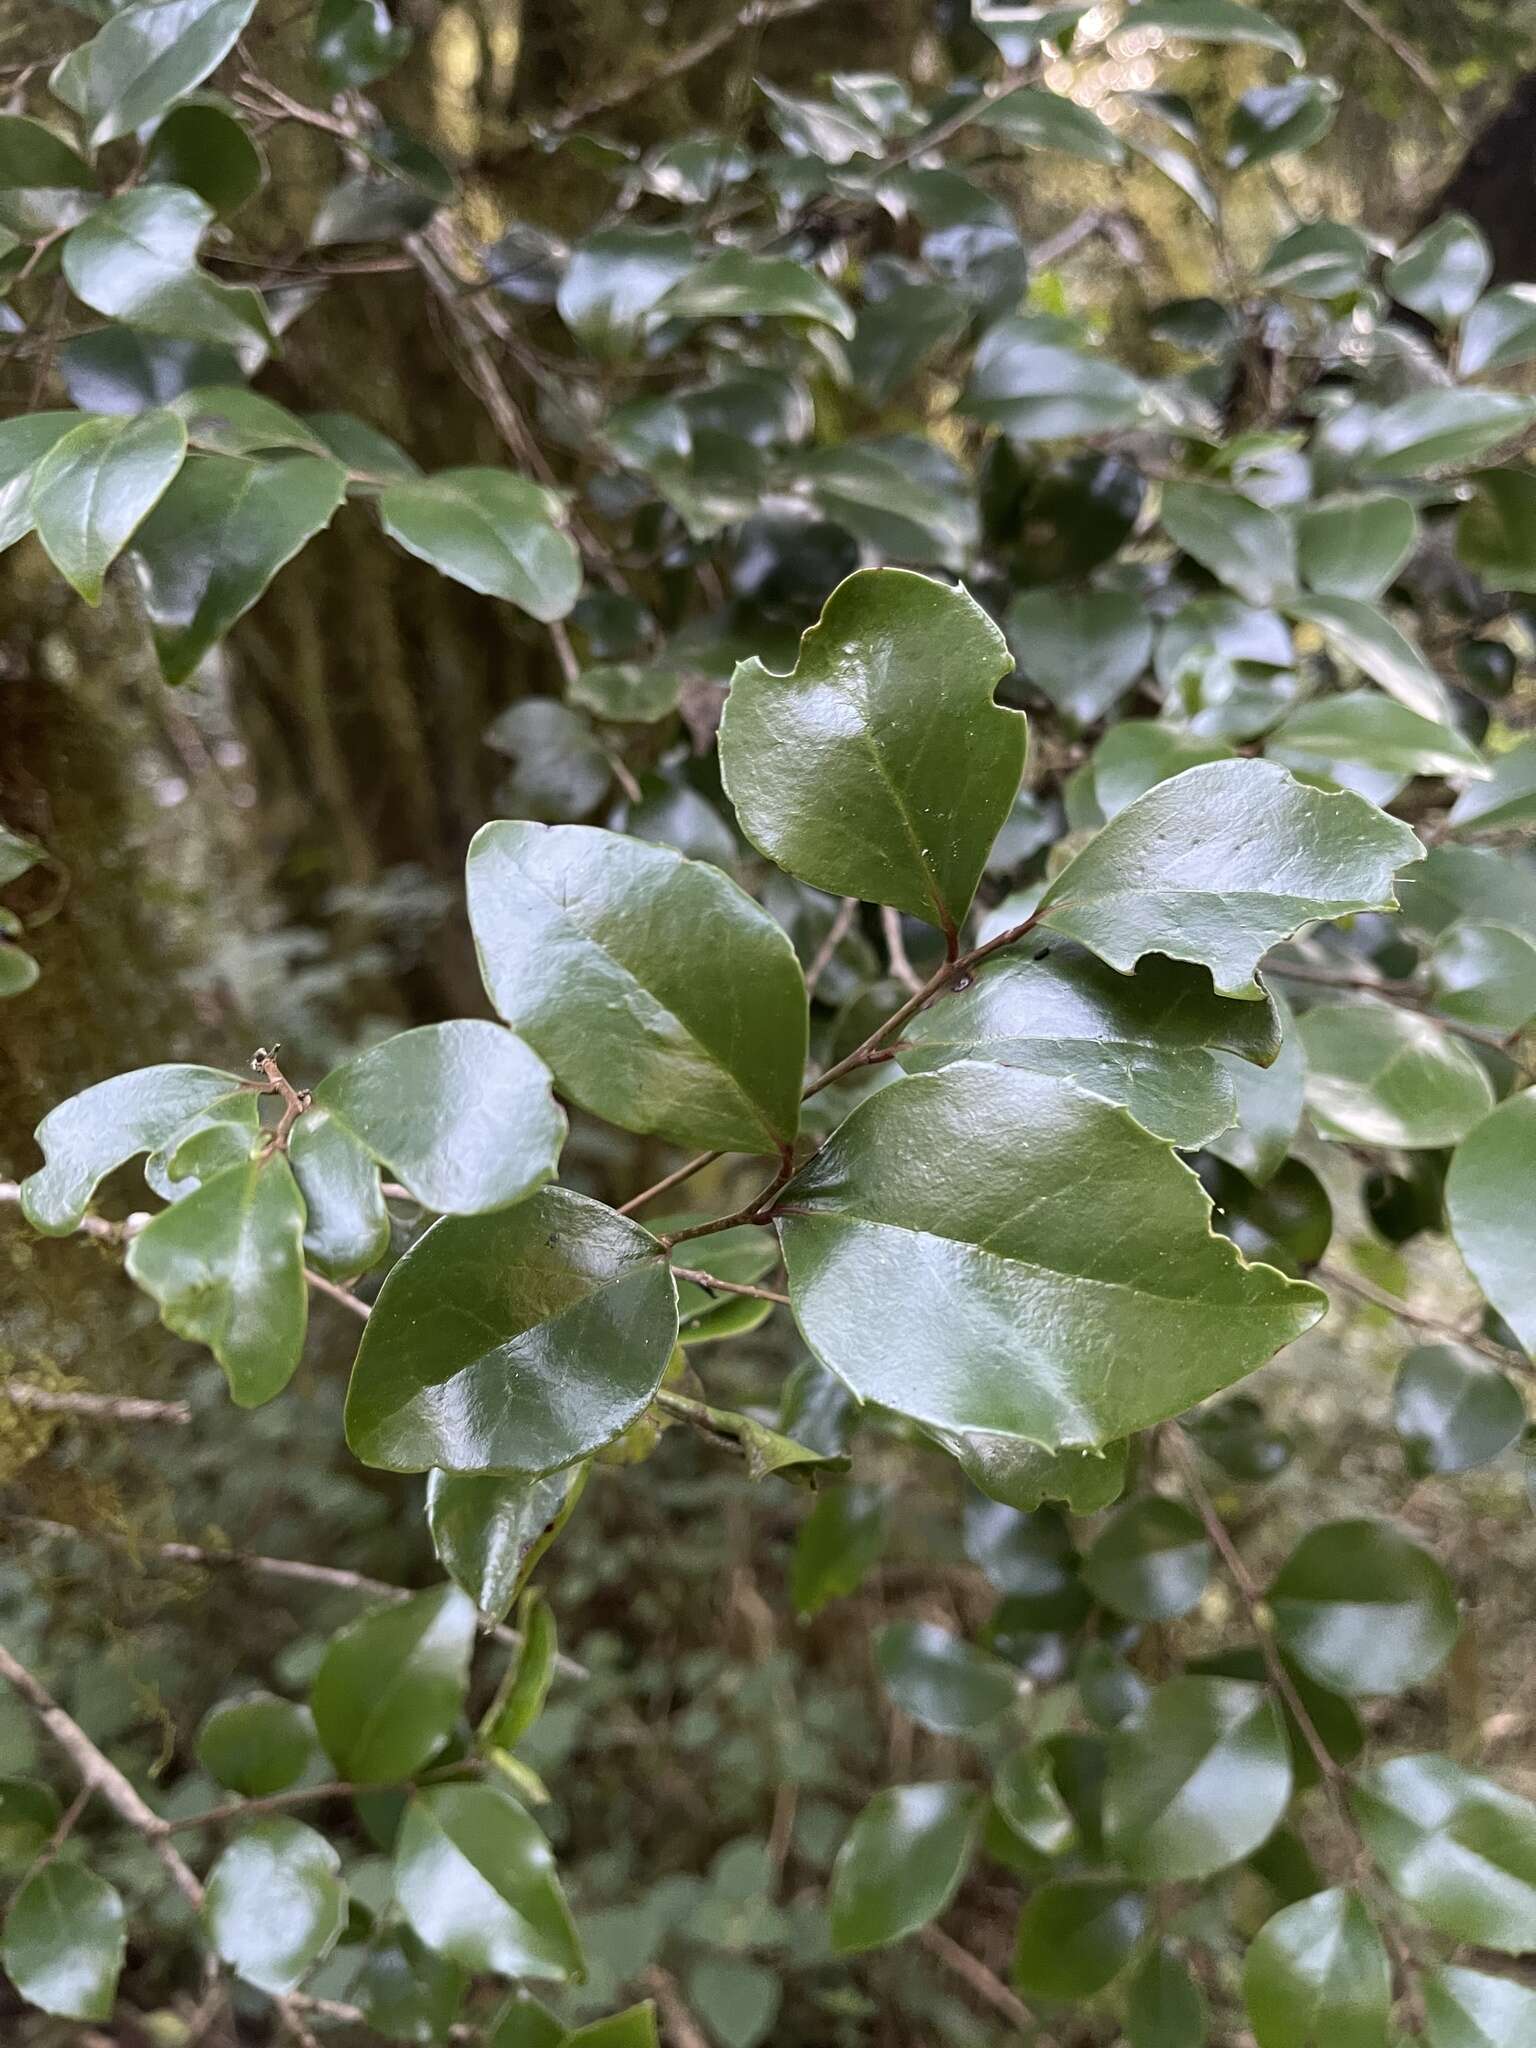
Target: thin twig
(837, 931)
(669, 1181)
(902, 969)
(1404, 997)
(98, 1407)
(682, 2029)
(712, 1285)
(271, 1802)
(334, 1292)
(1410, 59)
(1435, 1326)
(972, 1971)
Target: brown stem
(98, 1407)
(837, 931)
(974, 1973)
(712, 1285)
(272, 1802)
(1405, 998)
(669, 1181)
(756, 1211)
(1437, 1326)
(902, 969)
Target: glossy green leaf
(203, 147)
(1500, 331)
(1279, 120)
(1042, 1324)
(614, 281)
(899, 332)
(1220, 864)
(276, 1903)
(520, 1698)
(1021, 1475)
(1484, 975)
(356, 42)
(1269, 1105)
(1039, 390)
(1441, 429)
(476, 1881)
(1214, 21)
(216, 540)
(1084, 649)
(611, 958)
(1488, 1196)
(63, 1944)
(135, 260)
(1075, 1937)
(1453, 1410)
(946, 1685)
(226, 1265)
(1141, 1041)
(44, 185)
(1165, 2007)
(840, 1540)
(1364, 636)
(1363, 1609)
(29, 1813)
(407, 1993)
(1507, 798)
(461, 1111)
(1496, 532)
(901, 1863)
(1458, 882)
(1041, 119)
(634, 2028)
(1468, 2009)
(24, 441)
(86, 1137)
(1138, 753)
(346, 1225)
(880, 766)
(1456, 1847)
(737, 2000)
(738, 285)
(491, 531)
(391, 1687)
(518, 1341)
(1317, 1976)
(1288, 1221)
(93, 488)
(765, 1451)
(148, 55)
(903, 497)
(1025, 1794)
(1197, 1779)
(1354, 546)
(484, 1528)
(256, 1744)
(1251, 549)
(1151, 1561)
(626, 692)
(1381, 1075)
(1322, 260)
(226, 419)
(1362, 738)
(1442, 272)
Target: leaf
(1024, 1793)
(24, 441)
(256, 1744)
(1361, 737)
(1279, 120)
(737, 2000)
(346, 1225)
(91, 1134)
(1499, 332)
(942, 1682)
(520, 1698)
(1220, 864)
(1455, 1846)
(1354, 546)
(1039, 390)
(1138, 753)
(485, 1528)
(391, 1687)
(518, 1341)
(1442, 272)
(95, 485)
(135, 260)
(407, 1993)
(491, 531)
(148, 55)
(901, 1863)
(1317, 1976)
(1496, 532)
(1016, 1273)
(44, 186)
(1084, 649)
(559, 770)
(1151, 1560)
(1041, 119)
(1380, 1075)
(226, 1265)
(765, 1450)
(880, 766)
(1269, 1106)
(216, 540)
(1362, 1609)
(633, 2028)
(1485, 975)
(614, 282)
(903, 496)
(1470, 882)
(1361, 634)
(1141, 1041)
(840, 1540)
(1466, 2009)
(737, 285)
(1251, 549)
(461, 1111)
(29, 1813)
(614, 961)
(276, 1903)
(1453, 1411)
(1075, 1936)
(1214, 21)
(1198, 1779)
(1488, 1196)
(1507, 798)
(1021, 1475)
(203, 147)
(476, 1881)
(1325, 259)
(64, 1941)
(1166, 2007)
(1441, 429)
(355, 42)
